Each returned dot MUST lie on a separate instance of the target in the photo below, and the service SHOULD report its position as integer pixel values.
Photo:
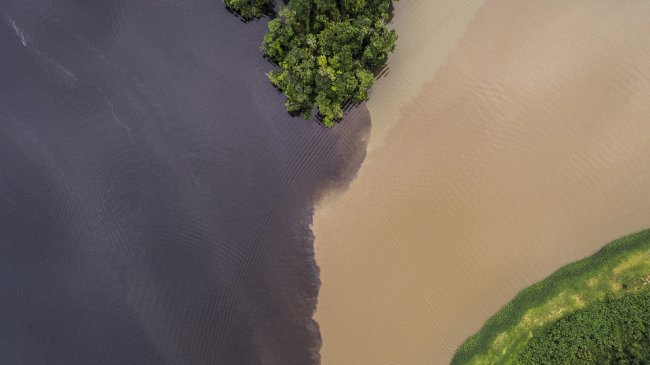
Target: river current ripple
(155, 197)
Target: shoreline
(615, 270)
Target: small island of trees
(326, 51)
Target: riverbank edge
(612, 258)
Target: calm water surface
(155, 197)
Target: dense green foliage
(326, 51)
(618, 269)
(248, 9)
(609, 332)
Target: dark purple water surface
(155, 198)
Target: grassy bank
(621, 267)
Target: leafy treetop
(248, 9)
(326, 51)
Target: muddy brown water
(524, 147)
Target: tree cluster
(615, 331)
(247, 9)
(327, 51)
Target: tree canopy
(248, 9)
(616, 331)
(326, 51)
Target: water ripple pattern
(155, 196)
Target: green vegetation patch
(326, 51)
(247, 9)
(619, 269)
(615, 331)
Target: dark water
(155, 198)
